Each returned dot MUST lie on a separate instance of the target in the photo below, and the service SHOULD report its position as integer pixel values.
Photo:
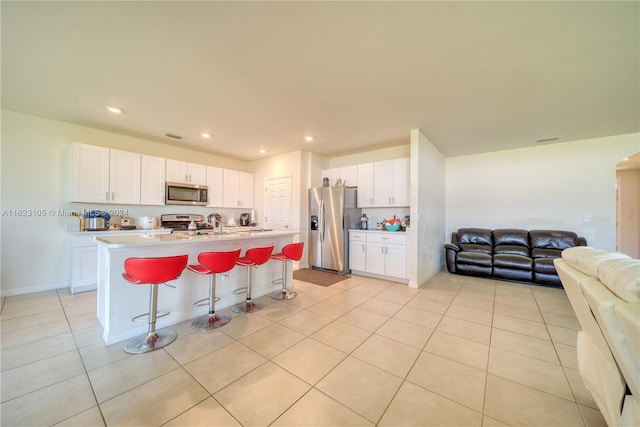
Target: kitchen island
(119, 300)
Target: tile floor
(457, 352)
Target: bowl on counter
(392, 227)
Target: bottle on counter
(192, 228)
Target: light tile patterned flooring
(460, 351)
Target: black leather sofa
(509, 254)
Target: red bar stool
(290, 252)
(154, 272)
(252, 259)
(213, 263)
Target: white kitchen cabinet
(365, 185)
(84, 256)
(103, 175)
(357, 251)
(89, 173)
(391, 183)
(332, 174)
(124, 177)
(347, 174)
(385, 254)
(215, 179)
(238, 188)
(186, 173)
(84, 264)
(152, 180)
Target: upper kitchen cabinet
(237, 189)
(152, 180)
(365, 185)
(215, 180)
(103, 175)
(186, 173)
(348, 175)
(391, 179)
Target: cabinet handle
(106, 196)
(371, 201)
(113, 196)
(363, 249)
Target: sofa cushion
(511, 236)
(475, 239)
(511, 249)
(587, 259)
(622, 277)
(544, 265)
(517, 262)
(546, 253)
(553, 239)
(474, 258)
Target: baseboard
(31, 290)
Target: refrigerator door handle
(322, 222)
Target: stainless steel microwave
(186, 194)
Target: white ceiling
(473, 76)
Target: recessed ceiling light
(205, 135)
(308, 138)
(262, 151)
(114, 110)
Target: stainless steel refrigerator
(332, 212)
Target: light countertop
(123, 241)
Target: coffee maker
(245, 219)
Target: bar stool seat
(154, 272)
(253, 258)
(213, 263)
(291, 252)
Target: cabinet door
(349, 175)
(214, 182)
(230, 183)
(177, 171)
(84, 269)
(365, 185)
(89, 174)
(383, 181)
(375, 258)
(124, 177)
(245, 189)
(400, 184)
(333, 175)
(358, 256)
(152, 180)
(197, 174)
(396, 261)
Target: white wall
(35, 174)
(427, 210)
(565, 186)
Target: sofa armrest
(582, 241)
(450, 256)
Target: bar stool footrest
(204, 302)
(159, 314)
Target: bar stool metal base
(150, 341)
(247, 307)
(206, 322)
(284, 294)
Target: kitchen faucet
(213, 218)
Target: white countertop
(113, 240)
(378, 231)
(122, 232)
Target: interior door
(278, 203)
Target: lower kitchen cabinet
(84, 257)
(379, 254)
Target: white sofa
(604, 290)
